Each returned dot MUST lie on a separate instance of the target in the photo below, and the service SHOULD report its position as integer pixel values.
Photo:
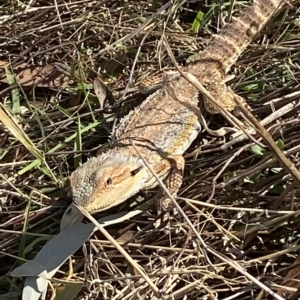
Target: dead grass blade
(137, 268)
(12, 125)
(284, 161)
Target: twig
(120, 249)
(285, 162)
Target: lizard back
(161, 125)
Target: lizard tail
(232, 40)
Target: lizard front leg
(172, 182)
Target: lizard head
(107, 180)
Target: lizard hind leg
(172, 182)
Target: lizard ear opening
(134, 172)
(108, 181)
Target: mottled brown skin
(162, 128)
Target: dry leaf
(41, 76)
(103, 93)
(125, 237)
(292, 278)
(100, 91)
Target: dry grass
(244, 204)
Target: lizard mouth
(118, 193)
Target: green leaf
(276, 170)
(278, 189)
(261, 85)
(78, 144)
(280, 144)
(68, 291)
(79, 87)
(197, 22)
(256, 149)
(15, 96)
(248, 180)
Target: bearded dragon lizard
(162, 128)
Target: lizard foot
(166, 209)
(173, 181)
(164, 204)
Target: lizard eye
(134, 172)
(108, 181)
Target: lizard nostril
(134, 172)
